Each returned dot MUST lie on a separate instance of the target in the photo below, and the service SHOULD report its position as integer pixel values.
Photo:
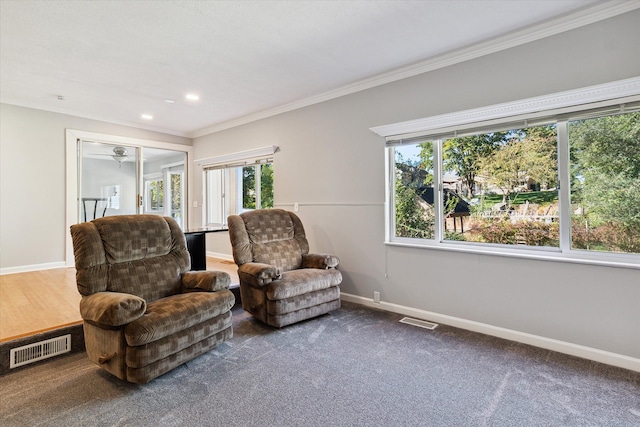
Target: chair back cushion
(143, 255)
(269, 236)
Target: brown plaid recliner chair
(280, 281)
(144, 313)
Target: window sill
(546, 254)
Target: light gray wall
(333, 166)
(156, 166)
(32, 181)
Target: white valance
(238, 159)
(522, 113)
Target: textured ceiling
(116, 60)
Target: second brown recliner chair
(280, 281)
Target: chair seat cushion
(175, 313)
(302, 281)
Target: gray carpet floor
(354, 367)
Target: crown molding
(590, 15)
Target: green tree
(609, 145)
(426, 161)
(414, 218)
(462, 155)
(505, 168)
(528, 154)
(605, 154)
(249, 187)
(156, 190)
(541, 154)
(410, 172)
(176, 191)
(266, 186)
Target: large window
(562, 183)
(231, 190)
(497, 187)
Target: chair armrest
(321, 261)
(257, 274)
(205, 281)
(112, 308)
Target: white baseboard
(584, 352)
(33, 267)
(219, 255)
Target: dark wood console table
(196, 245)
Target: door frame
(71, 138)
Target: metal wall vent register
(40, 350)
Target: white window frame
(523, 113)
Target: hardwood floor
(37, 301)
(43, 300)
(224, 265)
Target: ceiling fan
(120, 154)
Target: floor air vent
(419, 323)
(40, 350)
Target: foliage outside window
(155, 195)
(414, 217)
(175, 180)
(257, 186)
(502, 187)
(605, 183)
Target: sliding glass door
(120, 180)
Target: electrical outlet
(376, 297)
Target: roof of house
(462, 207)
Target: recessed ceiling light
(169, 101)
(147, 116)
(192, 97)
